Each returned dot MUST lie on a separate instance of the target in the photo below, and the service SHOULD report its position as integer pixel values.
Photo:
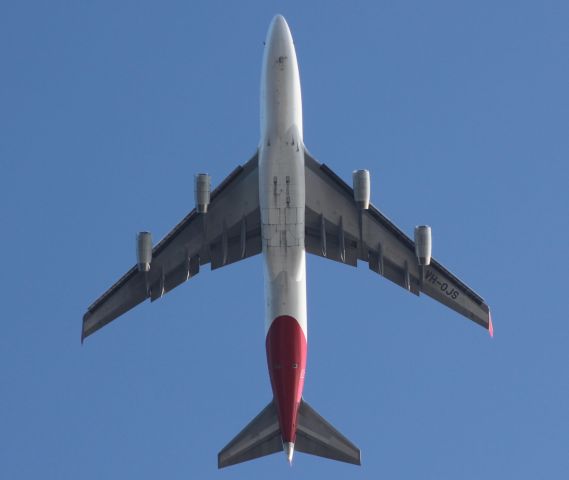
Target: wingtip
(82, 330)
(490, 326)
(84, 333)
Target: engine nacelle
(144, 251)
(361, 183)
(202, 189)
(423, 244)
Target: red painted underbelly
(286, 359)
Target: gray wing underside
(229, 232)
(338, 230)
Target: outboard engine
(423, 244)
(202, 188)
(361, 183)
(144, 251)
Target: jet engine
(144, 251)
(202, 188)
(360, 179)
(423, 244)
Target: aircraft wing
(337, 229)
(229, 232)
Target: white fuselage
(282, 200)
(281, 179)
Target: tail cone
(288, 448)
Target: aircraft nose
(279, 22)
(279, 33)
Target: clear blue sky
(461, 112)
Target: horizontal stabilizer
(261, 437)
(316, 436)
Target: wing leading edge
(229, 232)
(337, 229)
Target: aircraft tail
(262, 436)
(314, 435)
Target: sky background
(459, 109)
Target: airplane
(283, 203)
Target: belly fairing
(282, 199)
